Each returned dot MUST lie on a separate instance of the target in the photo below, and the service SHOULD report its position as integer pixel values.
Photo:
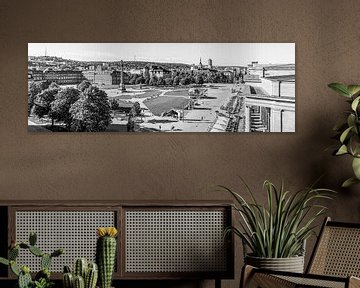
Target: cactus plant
(91, 276)
(84, 274)
(79, 282)
(42, 278)
(24, 280)
(105, 254)
(80, 267)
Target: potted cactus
(106, 254)
(42, 278)
(84, 275)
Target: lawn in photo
(161, 87)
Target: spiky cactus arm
(24, 280)
(105, 258)
(45, 261)
(68, 280)
(79, 282)
(91, 276)
(80, 268)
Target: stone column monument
(122, 85)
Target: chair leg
(246, 274)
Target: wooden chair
(334, 263)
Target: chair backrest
(337, 251)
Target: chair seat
(268, 279)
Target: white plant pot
(291, 264)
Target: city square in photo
(161, 87)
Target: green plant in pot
(275, 233)
(42, 278)
(349, 131)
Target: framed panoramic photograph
(161, 87)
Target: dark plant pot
(291, 264)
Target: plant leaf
(355, 103)
(345, 134)
(349, 182)
(4, 261)
(340, 88)
(342, 150)
(356, 167)
(353, 89)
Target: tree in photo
(176, 81)
(43, 103)
(185, 81)
(140, 80)
(199, 79)
(84, 85)
(133, 78)
(168, 81)
(60, 107)
(160, 81)
(136, 109)
(92, 111)
(114, 104)
(153, 81)
(36, 88)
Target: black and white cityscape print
(161, 87)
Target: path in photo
(166, 92)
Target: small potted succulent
(274, 234)
(349, 131)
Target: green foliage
(105, 259)
(61, 105)
(42, 278)
(85, 275)
(279, 229)
(43, 283)
(349, 131)
(92, 111)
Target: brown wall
(180, 166)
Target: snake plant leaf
(355, 103)
(356, 167)
(349, 182)
(340, 88)
(353, 90)
(342, 150)
(345, 134)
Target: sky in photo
(189, 53)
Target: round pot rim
(257, 257)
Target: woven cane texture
(75, 231)
(268, 281)
(305, 282)
(175, 241)
(338, 252)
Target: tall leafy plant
(349, 131)
(279, 229)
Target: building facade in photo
(270, 105)
(61, 77)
